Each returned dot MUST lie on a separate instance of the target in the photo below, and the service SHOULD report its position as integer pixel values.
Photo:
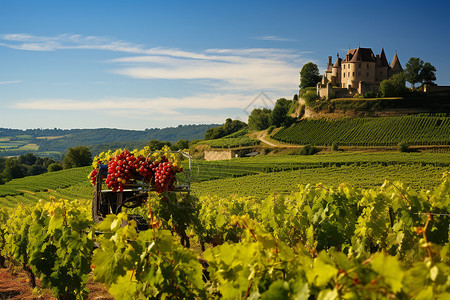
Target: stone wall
(219, 154)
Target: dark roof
(360, 55)
(337, 64)
(383, 60)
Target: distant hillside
(51, 142)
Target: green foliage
(370, 94)
(270, 129)
(157, 145)
(412, 70)
(309, 75)
(259, 119)
(315, 242)
(49, 240)
(180, 145)
(279, 116)
(394, 86)
(360, 175)
(308, 150)
(310, 98)
(386, 131)
(403, 147)
(428, 73)
(229, 127)
(55, 167)
(335, 146)
(151, 264)
(79, 156)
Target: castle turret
(336, 71)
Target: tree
(27, 159)
(428, 73)
(79, 156)
(309, 75)
(279, 116)
(180, 145)
(54, 167)
(13, 169)
(229, 127)
(394, 86)
(412, 70)
(157, 145)
(259, 119)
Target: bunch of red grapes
(165, 174)
(93, 176)
(126, 167)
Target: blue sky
(146, 64)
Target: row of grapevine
(416, 176)
(44, 182)
(386, 131)
(207, 170)
(317, 243)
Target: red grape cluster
(165, 174)
(126, 167)
(93, 176)
(121, 170)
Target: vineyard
(364, 170)
(208, 170)
(362, 176)
(386, 131)
(388, 242)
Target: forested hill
(61, 139)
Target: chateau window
(344, 74)
(367, 74)
(359, 73)
(353, 74)
(367, 66)
(344, 66)
(359, 65)
(348, 74)
(349, 66)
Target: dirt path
(16, 287)
(262, 135)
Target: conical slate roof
(337, 64)
(383, 60)
(396, 63)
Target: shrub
(370, 94)
(309, 150)
(335, 146)
(310, 98)
(403, 147)
(270, 129)
(54, 167)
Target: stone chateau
(359, 72)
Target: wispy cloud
(273, 38)
(254, 68)
(10, 82)
(165, 105)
